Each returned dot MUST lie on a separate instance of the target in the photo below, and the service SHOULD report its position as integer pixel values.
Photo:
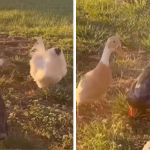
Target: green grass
(30, 18)
(97, 20)
(110, 128)
(114, 132)
(38, 119)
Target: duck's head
(114, 44)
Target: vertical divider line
(74, 75)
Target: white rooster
(47, 67)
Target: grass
(51, 18)
(37, 119)
(108, 125)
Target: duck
(94, 84)
(3, 120)
(47, 66)
(138, 95)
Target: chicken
(139, 93)
(47, 67)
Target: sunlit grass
(97, 20)
(48, 19)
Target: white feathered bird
(47, 67)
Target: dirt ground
(24, 100)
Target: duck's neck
(105, 56)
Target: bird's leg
(46, 93)
(132, 112)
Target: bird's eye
(114, 41)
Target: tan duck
(95, 83)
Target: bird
(3, 120)
(47, 66)
(138, 95)
(94, 84)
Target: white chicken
(47, 67)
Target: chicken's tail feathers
(38, 46)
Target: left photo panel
(36, 74)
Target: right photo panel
(113, 75)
